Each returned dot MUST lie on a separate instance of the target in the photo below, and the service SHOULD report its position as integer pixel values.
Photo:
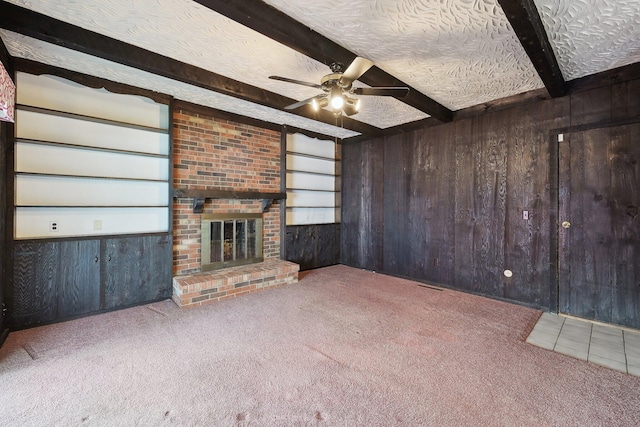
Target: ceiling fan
(337, 90)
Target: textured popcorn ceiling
(590, 36)
(27, 48)
(459, 52)
(186, 31)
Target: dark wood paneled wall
(59, 280)
(313, 246)
(362, 204)
(445, 204)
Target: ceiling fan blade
(358, 67)
(298, 82)
(397, 92)
(303, 102)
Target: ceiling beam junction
(45, 28)
(525, 20)
(280, 27)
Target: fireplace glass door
(231, 240)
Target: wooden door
(136, 270)
(54, 281)
(599, 230)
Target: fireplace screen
(231, 240)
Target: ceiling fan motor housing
(337, 67)
(332, 80)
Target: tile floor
(605, 345)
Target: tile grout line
(598, 323)
(558, 336)
(589, 345)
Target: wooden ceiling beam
(605, 78)
(280, 27)
(525, 20)
(45, 28)
(5, 58)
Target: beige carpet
(342, 347)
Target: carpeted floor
(342, 347)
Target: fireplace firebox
(229, 240)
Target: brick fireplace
(221, 156)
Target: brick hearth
(211, 153)
(204, 288)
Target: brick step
(205, 288)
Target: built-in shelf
(75, 168)
(313, 173)
(90, 148)
(313, 180)
(82, 117)
(313, 156)
(313, 189)
(311, 207)
(89, 177)
(91, 206)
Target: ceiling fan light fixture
(337, 99)
(351, 106)
(319, 103)
(337, 102)
(338, 91)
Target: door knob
(566, 224)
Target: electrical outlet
(525, 215)
(53, 226)
(97, 224)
